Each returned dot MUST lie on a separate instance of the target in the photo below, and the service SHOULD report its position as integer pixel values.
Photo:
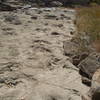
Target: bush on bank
(88, 21)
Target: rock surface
(32, 61)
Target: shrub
(88, 21)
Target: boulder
(94, 92)
(70, 48)
(56, 4)
(76, 59)
(89, 65)
(6, 7)
(96, 80)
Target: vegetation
(88, 21)
(96, 1)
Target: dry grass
(96, 45)
(88, 21)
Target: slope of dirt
(32, 61)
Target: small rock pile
(89, 67)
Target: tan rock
(96, 79)
(94, 92)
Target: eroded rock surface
(32, 61)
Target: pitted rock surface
(32, 61)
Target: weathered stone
(56, 4)
(6, 7)
(94, 92)
(70, 48)
(89, 65)
(76, 59)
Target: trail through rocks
(33, 65)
